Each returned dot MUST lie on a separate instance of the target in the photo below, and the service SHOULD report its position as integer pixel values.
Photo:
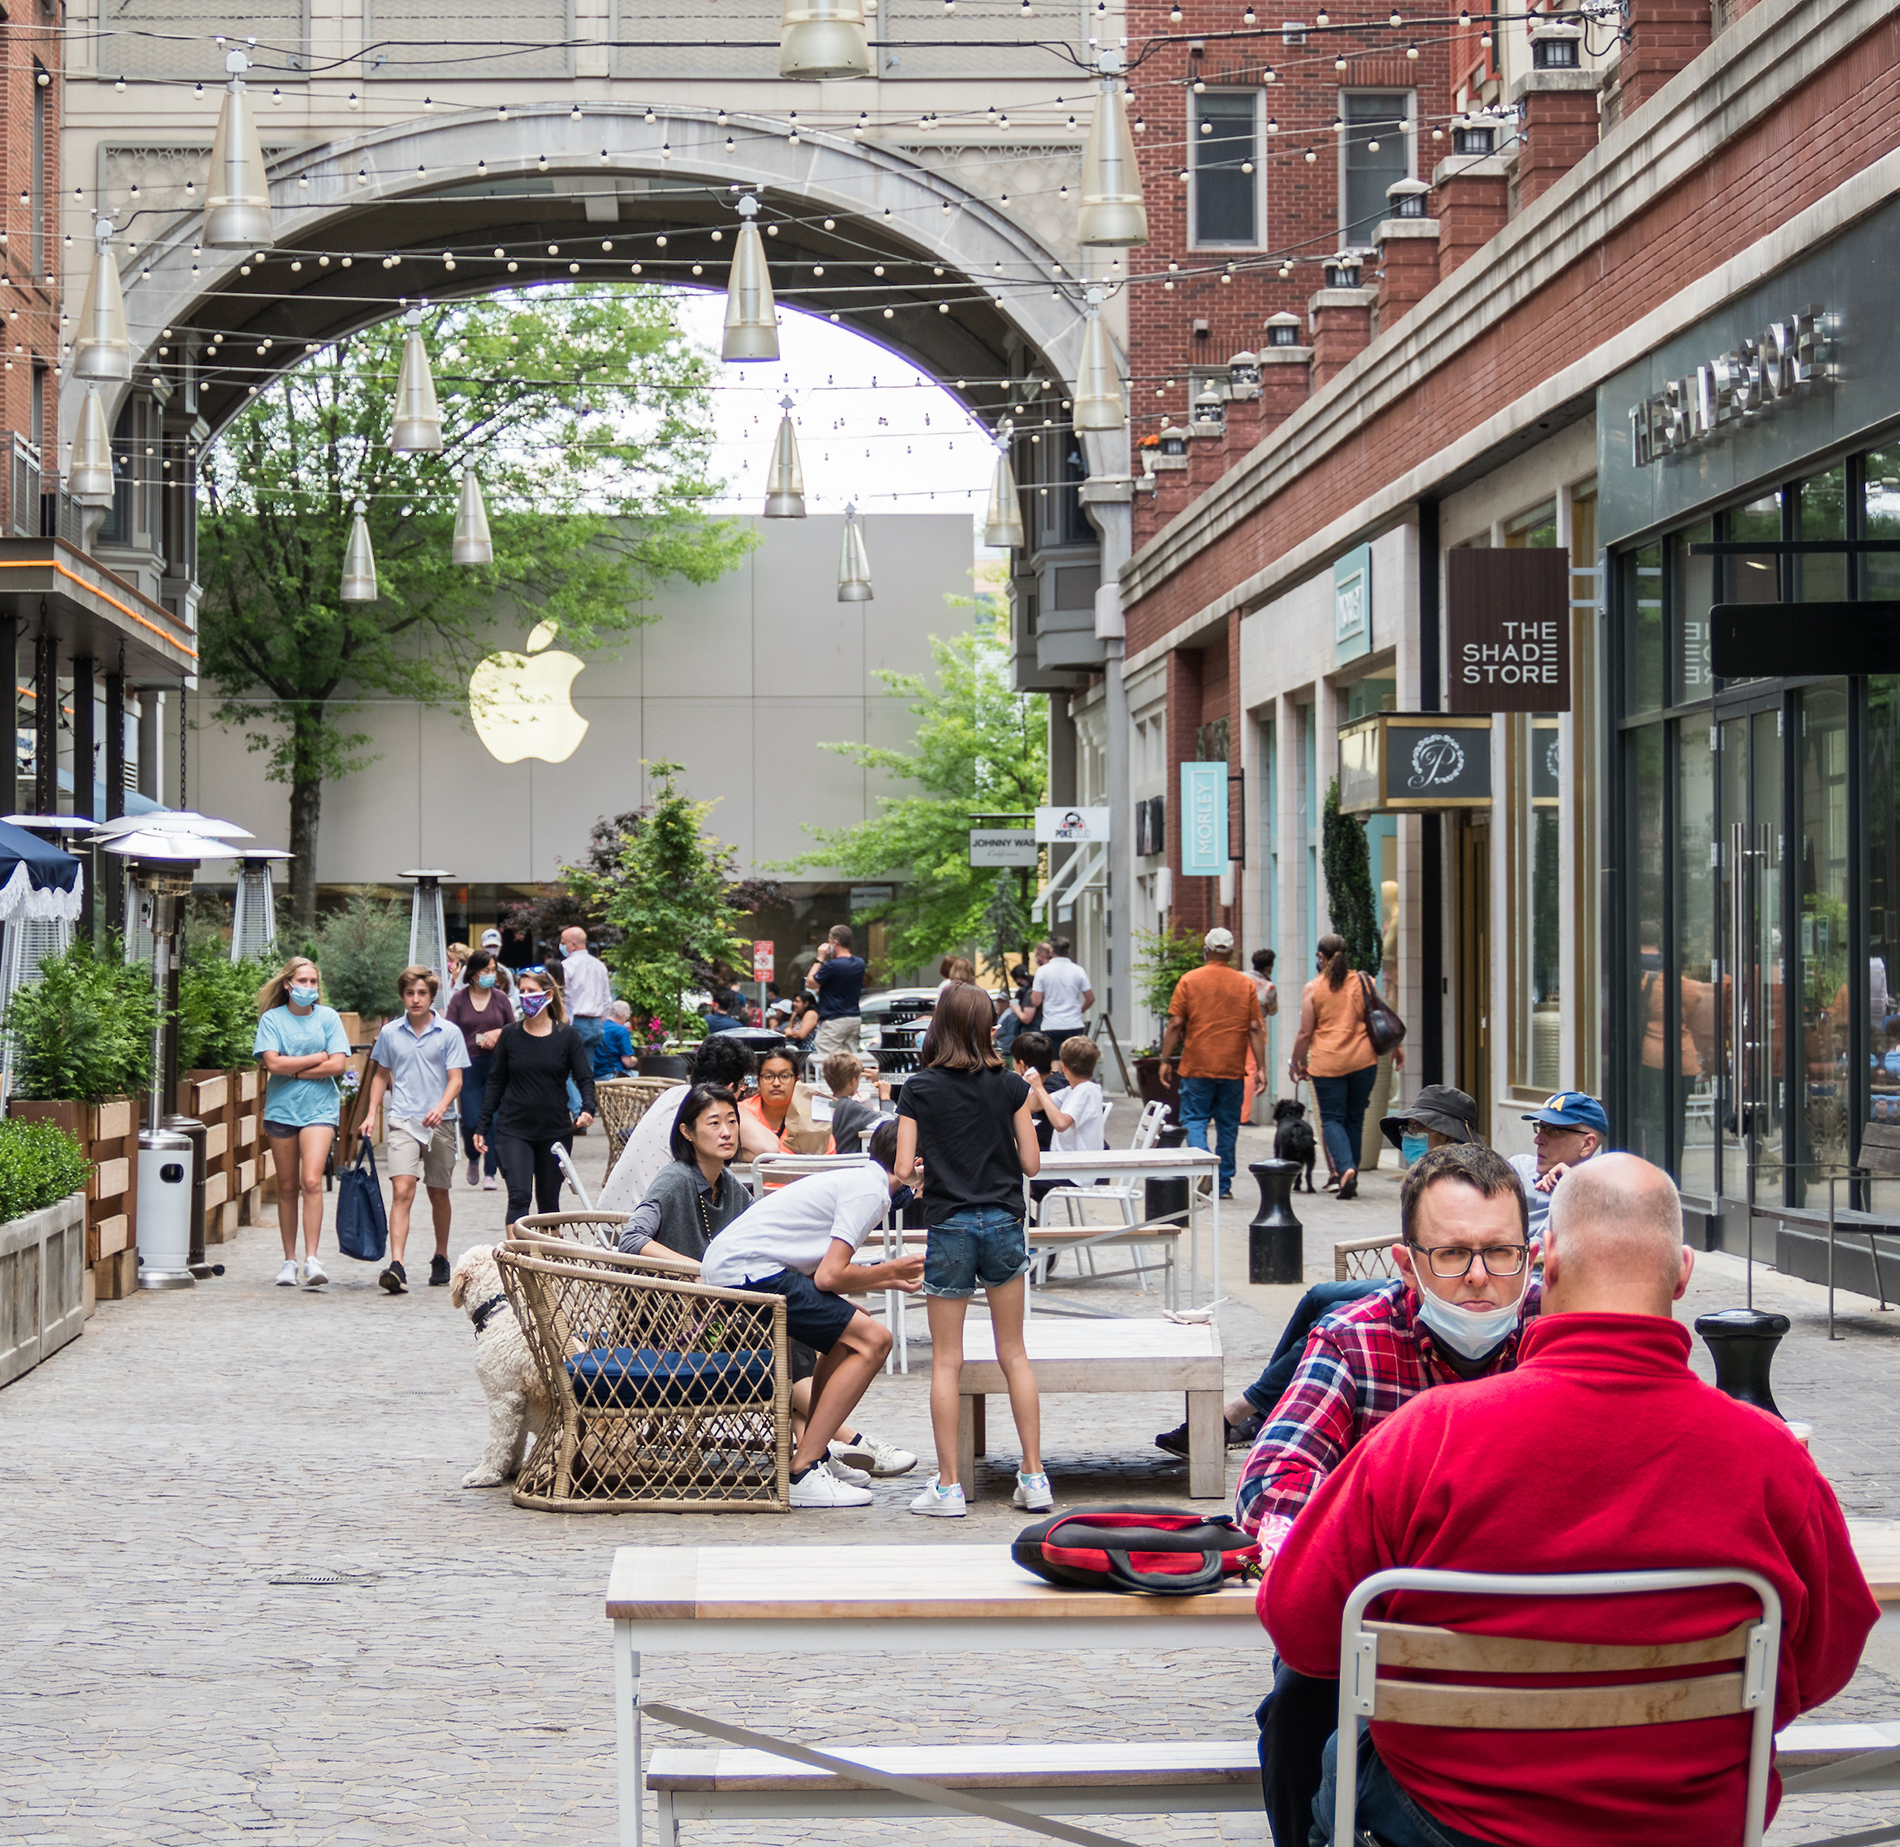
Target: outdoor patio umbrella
(37, 880)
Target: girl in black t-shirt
(967, 1119)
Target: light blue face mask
(484, 981)
(1413, 1148)
(304, 994)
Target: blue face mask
(304, 994)
(1413, 1148)
(484, 981)
(532, 1003)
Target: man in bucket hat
(1437, 1115)
(1570, 1128)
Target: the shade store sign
(1507, 631)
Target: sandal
(1349, 1184)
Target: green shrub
(1348, 863)
(83, 1030)
(217, 1008)
(1161, 959)
(40, 1164)
(361, 949)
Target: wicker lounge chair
(622, 1102)
(664, 1394)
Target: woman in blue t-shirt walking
(303, 1049)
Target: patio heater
(254, 909)
(164, 851)
(428, 931)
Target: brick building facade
(32, 264)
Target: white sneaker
(1033, 1492)
(865, 1451)
(820, 1488)
(290, 1275)
(945, 1503)
(843, 1470)
(314, 1274)
(488, 1183)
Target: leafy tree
(361, 948)
(590, 507)
(1348, 863)
(979, 749)
(1005, 931)
(665, 902)
(84, 1029)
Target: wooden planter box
(108, 1131)
(230, 1105)
(42, 1284)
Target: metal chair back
(1368, 1649)
(1153, 1115)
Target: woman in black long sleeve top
(524, 1101)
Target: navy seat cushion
(641, 1378)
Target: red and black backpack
(1136, 1549)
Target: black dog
(1293, 1138)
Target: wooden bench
(1104, 1356)
(1130, 1778)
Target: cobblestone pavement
(156, 1477)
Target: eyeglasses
(1455, 1259)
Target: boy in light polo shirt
(800, 1242)
(419, 1061)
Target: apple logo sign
(521, 703)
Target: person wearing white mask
(1455, 1312)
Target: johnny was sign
(1732, 389)
(1507, 631)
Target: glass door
(1750, 993)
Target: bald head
(1614, 1241)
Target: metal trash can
(164, 1210)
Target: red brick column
(1408, 266)
(1342, 329)
(1206, 463)
(1560, 128)
(1286, 381)
(1471, 198)
(1665, 35)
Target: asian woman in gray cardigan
(694, 1196)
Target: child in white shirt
(1078, 1119)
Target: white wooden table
(858, 1600)
(1104, 1356)
(1131, 1167)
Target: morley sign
(1507, 631)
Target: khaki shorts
(434, 1164)
(839, 1035)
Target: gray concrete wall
(739, 680)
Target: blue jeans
(1216, 1099)
(1384, 1810)
(474, 1081)
(1267, 1390)
(1342, 1113)
(980, 1244)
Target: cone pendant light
(237, 199)
(1098, 400)
(359, 564)
(823, 39)
(854, 562)
(1003, 520)
(418, 421)
(89, 476)
(472, 543)
(785, 489)
(1112, 214)
(102, 348)
(751, 313)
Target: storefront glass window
(1880, 574)
(1821, 513)
(1643, 598)
(1648, 1012)
(1883, 893)
(1694, 933)
(1827, 993)
(1689, 676)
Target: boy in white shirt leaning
(800, 1242)
(1078, 1118)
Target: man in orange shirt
(1213, 1019)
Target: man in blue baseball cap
(1570, 1128)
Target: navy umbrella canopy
(37, 880)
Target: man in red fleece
(1601, 1451)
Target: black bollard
(1167, 1198)
(1743, 1342)
(1276, 1251)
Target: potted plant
(1162, 957)
(82, 1057)
(43, 1179)
(654, 1059)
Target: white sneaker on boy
(865, 1451)
(818, 1487)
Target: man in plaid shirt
(1455, 1313)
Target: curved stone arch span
(317, 191)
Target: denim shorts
(981, 1244)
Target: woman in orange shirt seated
(778, 1082)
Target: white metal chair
(1131, 1200)
(1368, 1649)
(572, 1176)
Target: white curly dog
(517, 1404)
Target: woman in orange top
(1335, 1050)
(778, 1083)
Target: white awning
(1081, 872)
